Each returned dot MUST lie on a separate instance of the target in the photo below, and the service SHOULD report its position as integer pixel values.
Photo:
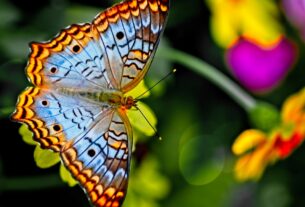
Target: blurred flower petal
(255, 19)
(259, 68)
(278, 144)
(247, 140)
(252, 165)
(295, 12)
(293, 107)
(286, 147)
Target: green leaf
(6, 111)
(27, 135)
(138, 121)
(80, 14)
(147, 185)
(149, 171)
(8, 14)
(66, 176)
(15, 43)
(45, 158)
(139, 90)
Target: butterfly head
(128, 102)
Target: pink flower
(295, 12)
(258, 67)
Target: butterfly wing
(71, 60)
(55, 118)
(114, 52)
(93, 140)
(99, 159)
(129, 33)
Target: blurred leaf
(146, 185)
(49, 20)
(8, 14)
(13, 68)
(159, 68)
(201, 162)
(182, 11)
(139, 90)
(66, 176)
(138, 121)
(275, 192)
(27, 135)
(81, 14)
(214, 194)
(15, 43)
(45, 158)
(5, 112)
(149, 171)
(176, 119)
(1, 168)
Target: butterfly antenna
(156, 133)
(170, 73)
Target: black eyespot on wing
(76, 48)
(44, 103)
(120, 35)
(53, 70)
(56, 127)
(91, 152)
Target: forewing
(115, 51)
(99, 159)
(72, 59)
(129, 34)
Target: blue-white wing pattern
(99, 159)
(54, 117)
(130, 32)
(94, 140)
(115, 51)
(70, 60)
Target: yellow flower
(253, 19)
(47, 158)
(258, 149)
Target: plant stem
(212, 74)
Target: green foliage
(66, 176)
(45, 158)
(147, 184)
(27, 135)
(8, 14)
(264, 116)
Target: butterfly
(77, 104)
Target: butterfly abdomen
(110, 97)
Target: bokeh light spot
(199, 163)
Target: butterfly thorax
(112, 97)
(117, 99)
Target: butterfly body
(77, 104)
(109, 97)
